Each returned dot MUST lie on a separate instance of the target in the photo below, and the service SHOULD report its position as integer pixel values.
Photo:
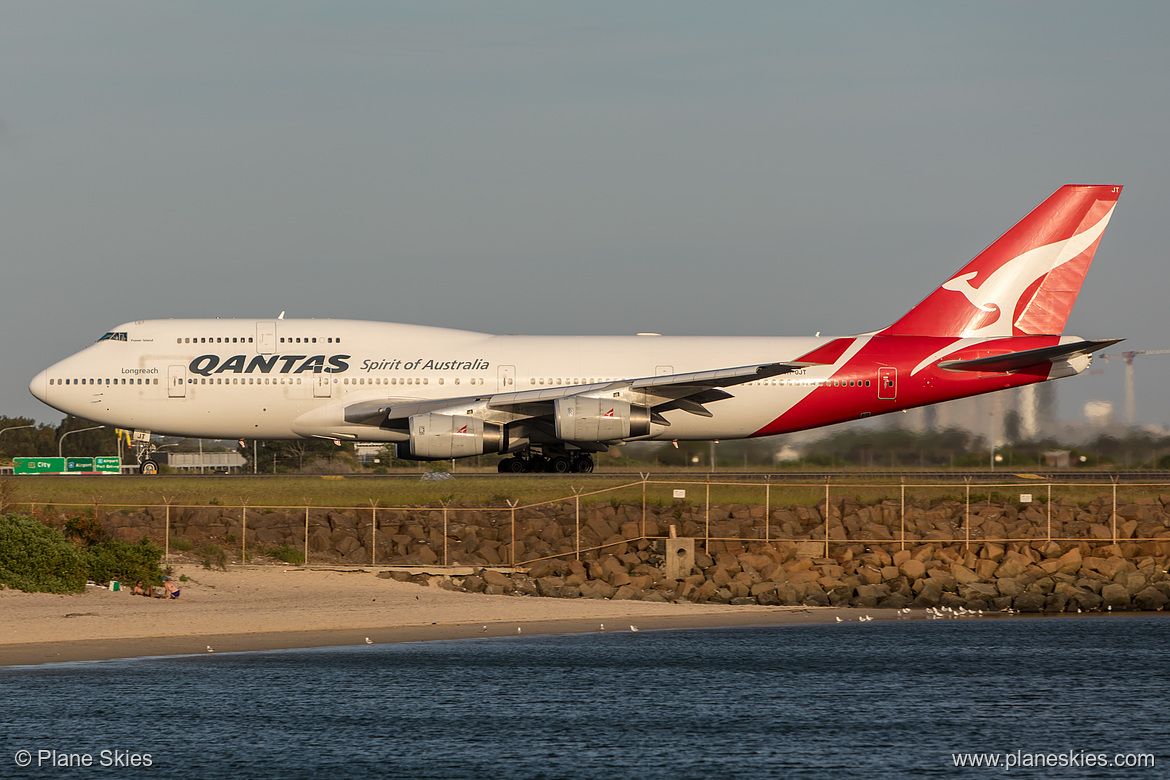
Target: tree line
(24, 437)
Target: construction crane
(1128, 356)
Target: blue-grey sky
(753, 168)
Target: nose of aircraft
(39, 386)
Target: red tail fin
(1028, 280)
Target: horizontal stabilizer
(1017, 361)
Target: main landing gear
(534, 463)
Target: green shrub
(114, 560)
(214, 556)
(85, 529)
(182, 545)
(34, 557)
(287, 554)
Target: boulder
(1030, 602)
(1133, 582)
(1115, 595)
(628, 593)
(929, 595)
(596, 589)
(978, 591)
(1009, 587)
(912, 569)
(1055, 603)
(1150, 599)
(499, 579)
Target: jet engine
(580, 418)
(440, 436)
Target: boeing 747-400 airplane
(549, 401)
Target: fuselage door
(177, 381)
(887, 384)
(265, 338)
(507, 379)
(322, 385)
(663, 370)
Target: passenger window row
(117, 381)
(216, 340)
(235, 339)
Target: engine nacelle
(441, 436)
(599, 419)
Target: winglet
(1027, 281)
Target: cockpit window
(114, 336)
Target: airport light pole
(61, 441)
(16, 428)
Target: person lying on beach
(140, 589)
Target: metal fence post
(512, 506)
(767, 509)
(827, 516)
(967, 517)
(373, 532)
(1114, 518)
(1049, 507)
(577, 518)
(707, 540)
(902, 518)
(643, 476)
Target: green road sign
(107, 464)
(78, 464)
(38, 465)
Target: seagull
(838, 618)
(633, 627)
(209, 649)
(369, 641)
(519, 630)
(603, 626)
(484, 630)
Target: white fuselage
(258, 378)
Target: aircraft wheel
(560, 465)
(516, 466)
(537, 464)
(148, 467)
(583, 465)
(504, 466)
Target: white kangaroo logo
(1002, 289)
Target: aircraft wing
(1017, 361)
(688, 392)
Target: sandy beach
(267, 609)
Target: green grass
(74, 495)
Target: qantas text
(206, 365)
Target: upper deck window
(114, 336)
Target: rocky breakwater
(1044, 577)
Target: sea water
(1041, 697)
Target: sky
(690, 168)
